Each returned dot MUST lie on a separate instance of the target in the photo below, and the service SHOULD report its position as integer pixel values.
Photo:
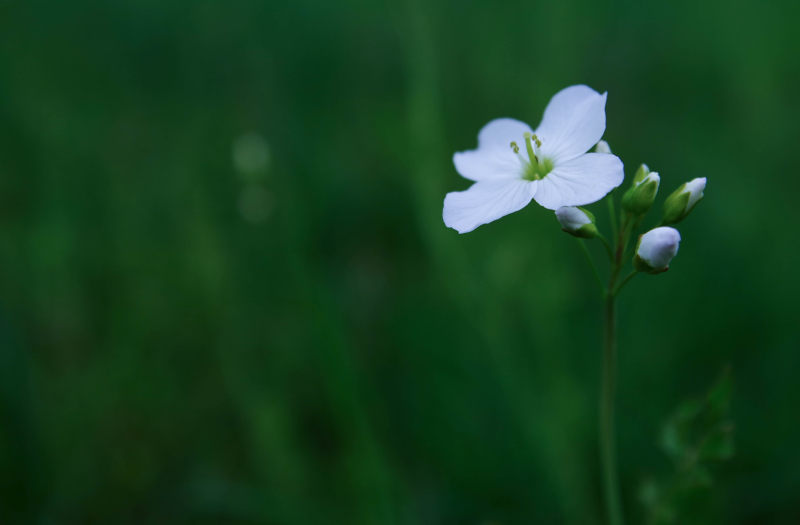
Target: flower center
(535, 167)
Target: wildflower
(514, 165)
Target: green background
(301, 340)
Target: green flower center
(536, 167)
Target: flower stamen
(536, 168)
(514, 146)
(529, 147)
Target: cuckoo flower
(514, 164)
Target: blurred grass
(306, 342)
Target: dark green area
(305, 342)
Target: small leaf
(719, 445)
(688, 410)
(671, 442)
(719, 398)
(699, 477)
(697, 434)
(650, 493)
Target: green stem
(607, 440)
(588, 256)
(607, 246)
(613, 213)
(607, 443)
(625, 281)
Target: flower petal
(573, 122)
(494, 157)
(580, 181)
(486, 201)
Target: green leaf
(697, 435)
(719, 445)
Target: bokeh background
(227, 295)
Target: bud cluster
(655, 248)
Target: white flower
(656, 249)
(681, 202)
(513, 164)
(576, 221)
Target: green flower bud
(683, 200)
(640, 196)
(577, 222)
(640, 174)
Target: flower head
(514, 164)
(656, 249)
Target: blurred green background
(227, 295)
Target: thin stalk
(607, 439)
(588, 256)
(612, 213)
(625, 281)
(607, 246)
(608, 455)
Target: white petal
(580, 181)
(486, 201)
(494, 157)
(573, 122)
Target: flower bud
(683, 200)
(577, 222)
(640, 174)
(602, 147)
(656, 249)
(640, 196)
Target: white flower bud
(695, 188)
(656, 249)
(576, 221)
(602, 147)
(683, 200)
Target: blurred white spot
(250, 154)
(255, 204)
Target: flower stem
(607, 444)
(612, 213)
(588, 256)
(607, 246)
(625, 281)
(608, 456)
